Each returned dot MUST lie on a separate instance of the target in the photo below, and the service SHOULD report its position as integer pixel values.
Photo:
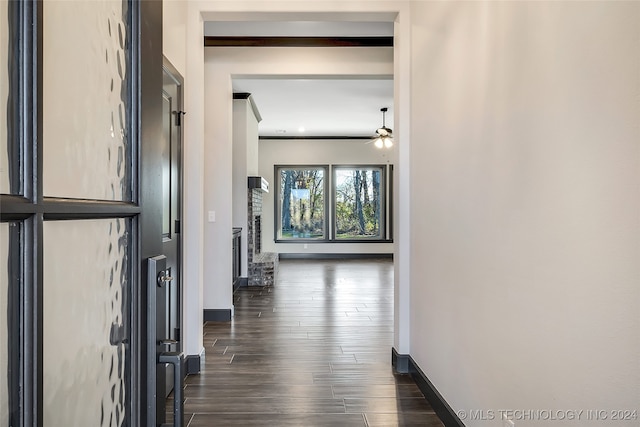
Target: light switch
(212, 216)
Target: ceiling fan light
(383, 131)
(383, 137)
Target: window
(354, 210)
(301, 202)
(358, 202)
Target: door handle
(168, 342)
(175, 358)
(157, 267)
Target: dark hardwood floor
(313, 350)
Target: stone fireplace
(262, 267)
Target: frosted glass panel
(4, 332)
(86, 288)
(85, 90)
(4, 95)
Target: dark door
(79, 210)
(169, 298)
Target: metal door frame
(176, 120)
(174, 74)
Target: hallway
(313, 350)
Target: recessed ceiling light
(301, 129)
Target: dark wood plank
(391, 391)
(388, 405)
(280, 420)
(261, 390)
(264, 405)
(402, 420)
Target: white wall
(174, 33)
(315, 152)
(193, 181)
(220, 65)
(245, 163)
(175, 15)
(252, 140)
(526, 201)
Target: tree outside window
(302, 203)
(358, 202)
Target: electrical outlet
(306, 246)
(212, 216)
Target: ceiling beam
(242, 41)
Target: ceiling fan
(383, 137)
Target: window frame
(278, 208)
(381, 237)
(386, 223)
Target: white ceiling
(322, 106)
(319, 107)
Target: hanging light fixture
(384, 136)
